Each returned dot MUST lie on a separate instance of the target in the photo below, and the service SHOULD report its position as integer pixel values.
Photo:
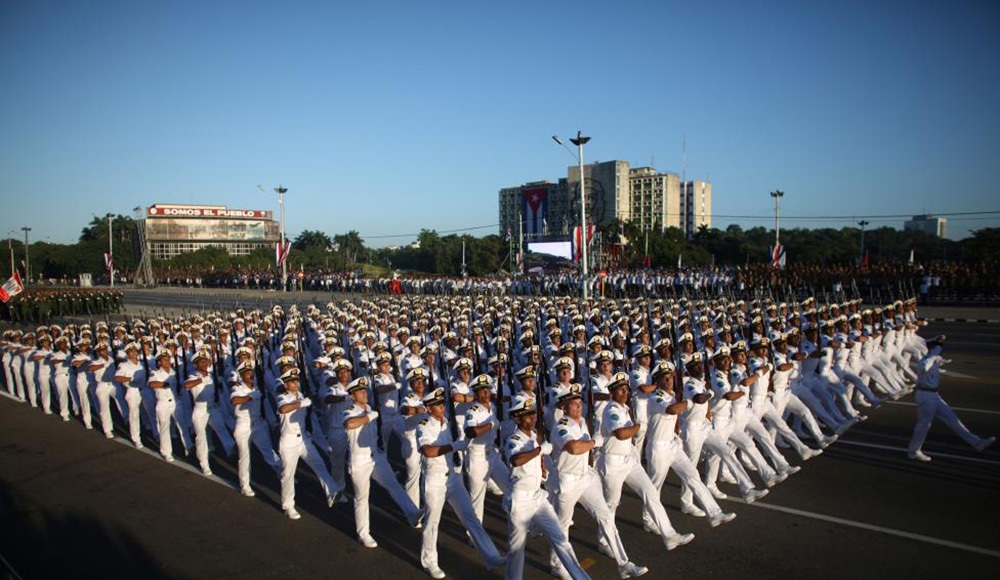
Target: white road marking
(10, 569)
(957, 375)
(964, 409)
(873, 528)
(931, 453)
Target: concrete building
(696, 206)
(929, 224)
(615, 192)
(175, 229)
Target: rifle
(456, 433)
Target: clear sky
(390, 117)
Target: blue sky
(391, 117)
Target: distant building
(655, 201)
(929, 224)
(172, 230)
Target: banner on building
(534, 209)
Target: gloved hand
(372, 416)
(305, 402)
(546, 448)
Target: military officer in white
(573, 480)
(366, 462)
(296, 443)
(527, 505)
(204, 411)
(443, 483)
(163, 382)
(59, 361)
(483, 462)
(665, 450)
(39, 357)
(618, 463)
(413, 411)
(131, 375)
(335, 400)
(388, 399)
(103, 370)
(931, 406)
(250, 424)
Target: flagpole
(111, 251)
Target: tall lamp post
(10, 246)
(777, 195)
(281, 191)
(580, 140)
(861, 257)
(27, 257)
(111, 250)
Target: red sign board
(198, 211)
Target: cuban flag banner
(534, 208)
(577, 248)
(778, 256)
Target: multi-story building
(929, 224)
(655, 201)
(175, 229)
(696, 206)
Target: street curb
(972, 320)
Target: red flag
(11, 288)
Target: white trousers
(660, 457)
(411, 455)
(257, 432)
(365, 468)
(442, 487)
(337, 438)
(45, 391)
(531, 511)
(566, 491)
(931, 406)
(482, 467)
(765, 411)
(619, 470)
(61, 382)
(201, 417)
(133, 399)
(695, 440)
(291, 448)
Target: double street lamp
(27, 258)
(281, 191)
(777, 195)
(580, 140)
(861, 257)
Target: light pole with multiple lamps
(27, 257)
(861, 256)
(281, 191)
(580, 140)
(777, 195)
(111, 250)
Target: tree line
(625, 246)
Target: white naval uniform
(104, 377)
(203, 413)
(408, 447)
(388, 408)
(59, 362)
(640, 376)
(442, 483)
(528, 508)
(366, 462)
(698, 433)
(166, 406)
(335, 434)
(931, 406)
(296, 443)
(82, 387)
(44, 378)
(250, 424)
(571, 481)
(618, 465)
(666, 450)
(483, 463)
(136, 375)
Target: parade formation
(546, 401)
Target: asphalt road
(74, 504)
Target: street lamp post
(111, 250)
(580, 140)
(27, 257)
(281, 191)
(777, 195)
(861, 257)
